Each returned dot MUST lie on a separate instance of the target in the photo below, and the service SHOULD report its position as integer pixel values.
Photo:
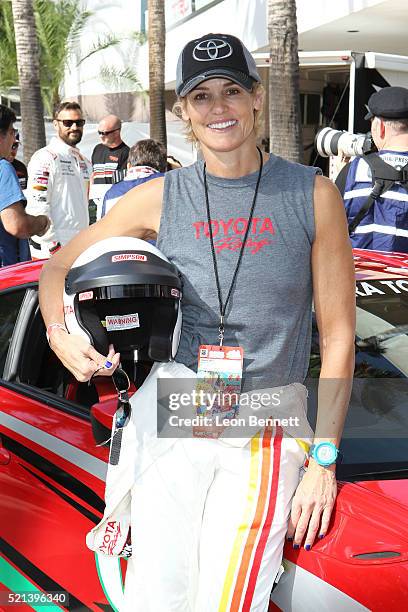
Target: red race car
(52, 473)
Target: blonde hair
(180, 105)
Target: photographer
(383, 221)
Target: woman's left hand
(312, 505)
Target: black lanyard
(122, 415)
(223, 307)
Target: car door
(51, 472)
(365, 544)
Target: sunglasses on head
(70, 122)
(106, 133)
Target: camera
(332, 142)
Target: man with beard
(58, 182)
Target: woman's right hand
(80, 358)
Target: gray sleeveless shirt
(269, 312)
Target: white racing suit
(208, 517)
(58, 181)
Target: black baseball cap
(389, 102)
(215, 55)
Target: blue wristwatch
(324, 453)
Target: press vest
(385, 227)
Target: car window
(28, 364)
(41, 374)
(375, 438)
(10, 304)
(40, 368)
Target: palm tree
(157, 45)
(111, 75)
(28, 63)
(59, 26)
(8, 59)
(284, 104)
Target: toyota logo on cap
(212, 49)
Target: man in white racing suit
(58, 183)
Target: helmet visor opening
(130, 323)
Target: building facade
(106, 82)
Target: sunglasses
(14, 146)
(122, 384)
(106, 133)
(70, 122)
(123, 412)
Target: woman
(255, 237)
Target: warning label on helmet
(128, 257)
(119, 322)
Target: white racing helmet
(124, 291)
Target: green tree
(8, 58)
(59, 25)
(157, 46)
(285, 129)
(28, 64)
(111, 75)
